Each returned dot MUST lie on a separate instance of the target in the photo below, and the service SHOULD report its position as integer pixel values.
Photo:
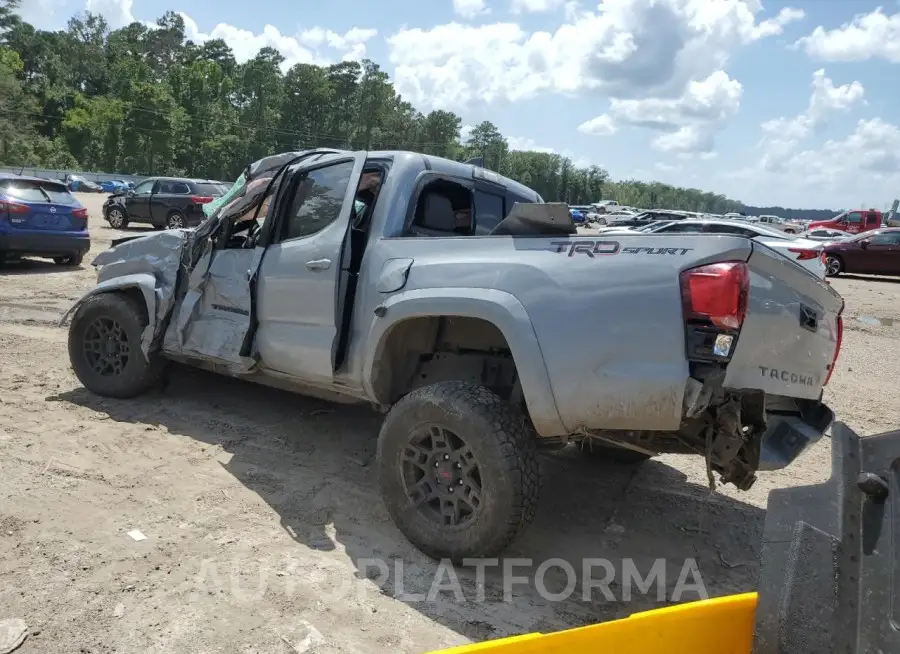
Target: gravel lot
(260, 508)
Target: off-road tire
(71, 260)
(505, 454)
(113, 217)
(592, 449)
(138, 374)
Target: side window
(179, 188)
(489, 211)
(318, 200)
(854, 217)
(144, 187)
(681, 228)
(871, 218)
(729, 229)
(888, 238)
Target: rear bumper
(788, 435)
(44, 243)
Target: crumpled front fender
(144, 282)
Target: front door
(855, 222)
(138, 203)
(298, 280)
(883, 254)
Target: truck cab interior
(443, 208)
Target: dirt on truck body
(480, 322)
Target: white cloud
(470, 8)
(600, 126)
(691, 120)
(625, 48)
(864, 164)
(116, 12)
(305, 47)
(868, 36)
(535, 6)
(689, 139)
(782, 135)
(862, 167)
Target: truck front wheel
(105, 347)
(458, 471)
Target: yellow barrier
(717, 626)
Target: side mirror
(864, 244)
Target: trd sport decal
(656, 250)
(590, 248)
(597, 248)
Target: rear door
(42, 206)
(170, 195)
(297, 283)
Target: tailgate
(789, 336)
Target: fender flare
(144, 282)
(501, 309)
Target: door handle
(318, 265)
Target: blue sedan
(115, 186)
(41, 218)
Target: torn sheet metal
(202, 293)
(214, 316)
(149, 263)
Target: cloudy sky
(791, 103)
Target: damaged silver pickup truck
(476, 317)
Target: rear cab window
(34, 191)
(489, 211)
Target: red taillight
(837, 348)
(804, 255)
(80, 212)
(717, 293)
(201, 199)
(13, 207)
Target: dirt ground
(261, 513)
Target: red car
(872, 253)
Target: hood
(158, 254)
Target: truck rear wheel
(105, 347)
(458, 471)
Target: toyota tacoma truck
(477, 319)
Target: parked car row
(807, 253)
